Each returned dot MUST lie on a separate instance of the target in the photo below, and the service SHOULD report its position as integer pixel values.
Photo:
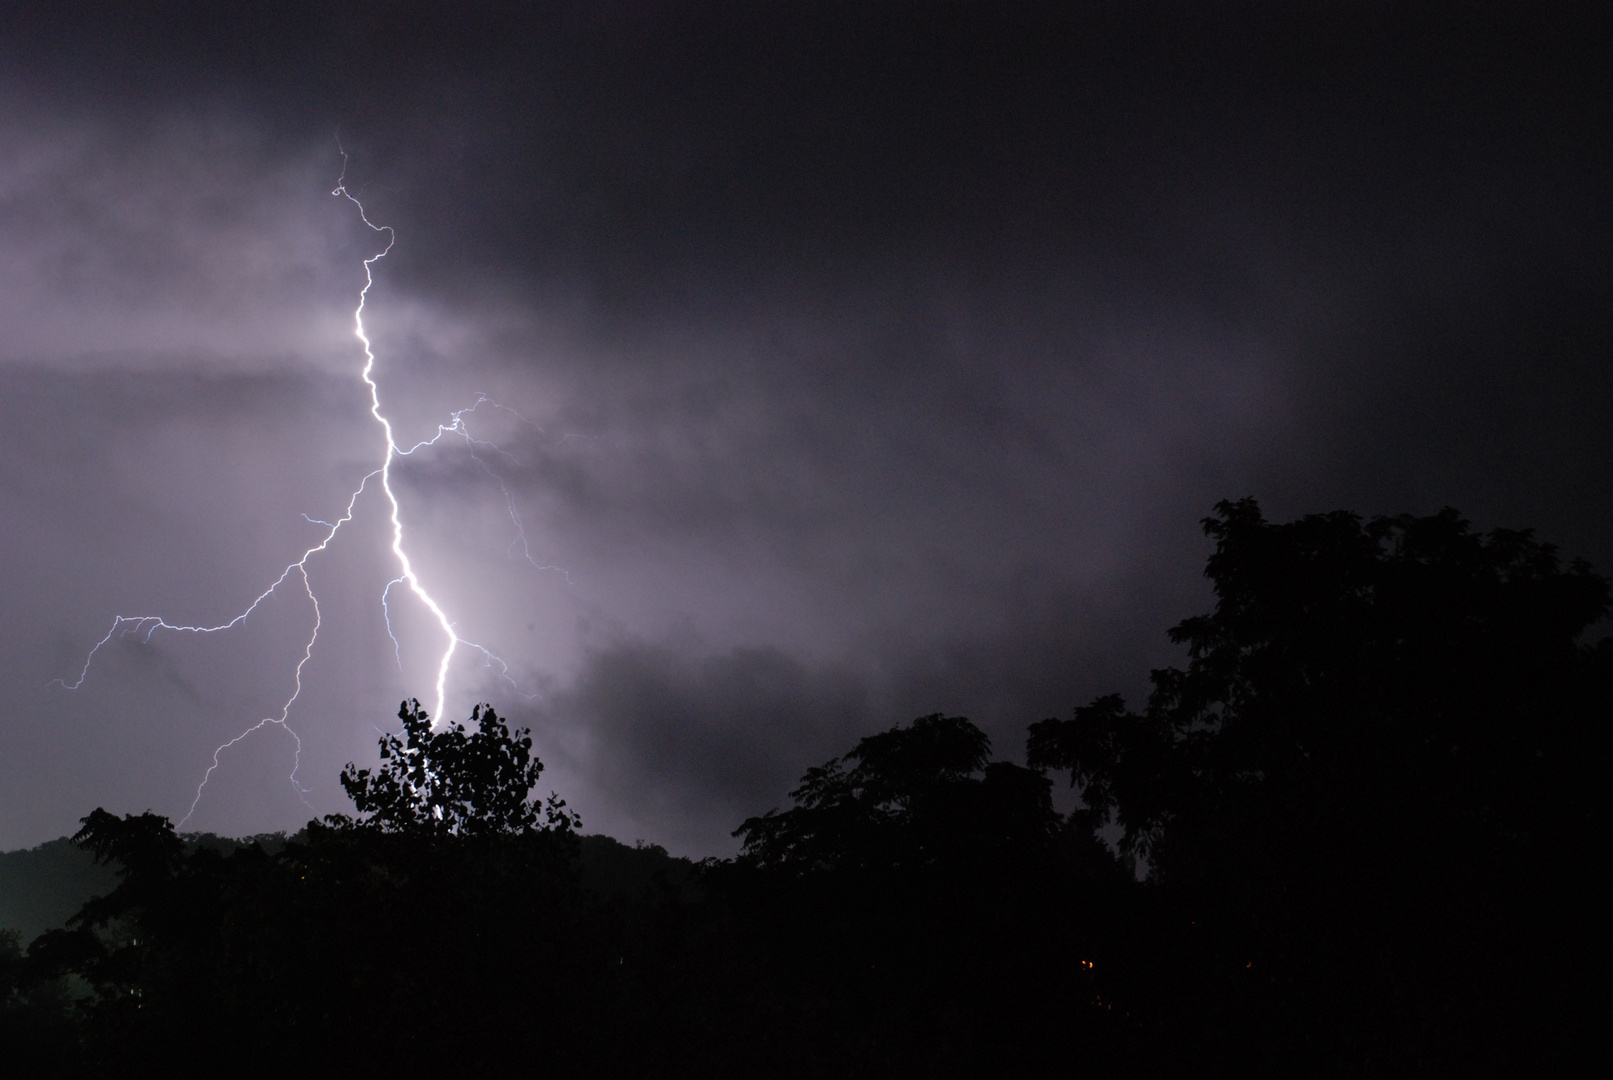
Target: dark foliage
(37, 1031)
(923, 911)
(1371, 787)
(914, 796)
(453, 783)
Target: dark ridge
(41, 887)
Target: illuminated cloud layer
(812, 371)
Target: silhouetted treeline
(1372, 814)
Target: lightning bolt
(147, 625)
(406, 568)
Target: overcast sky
(844, 363)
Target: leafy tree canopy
(454, 782)
(1404, 670)
(910, 795)
(1369, 790)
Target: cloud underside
(835, 366)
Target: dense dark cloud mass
(848, 362)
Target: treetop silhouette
(453, 782)
(913, 795)
(1399, 670)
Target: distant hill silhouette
(41, 887)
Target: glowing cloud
(147, 625)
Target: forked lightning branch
(146, 626)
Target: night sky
(844, 363)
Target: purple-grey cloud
(849, 364)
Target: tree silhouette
(918, 911)
(1387, 741)
(1407, 660)
(453, 782)
(453, 885)
(905, 798)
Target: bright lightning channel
(368, 375)
(147, 625)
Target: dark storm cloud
(871, 360)
(688, 748)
